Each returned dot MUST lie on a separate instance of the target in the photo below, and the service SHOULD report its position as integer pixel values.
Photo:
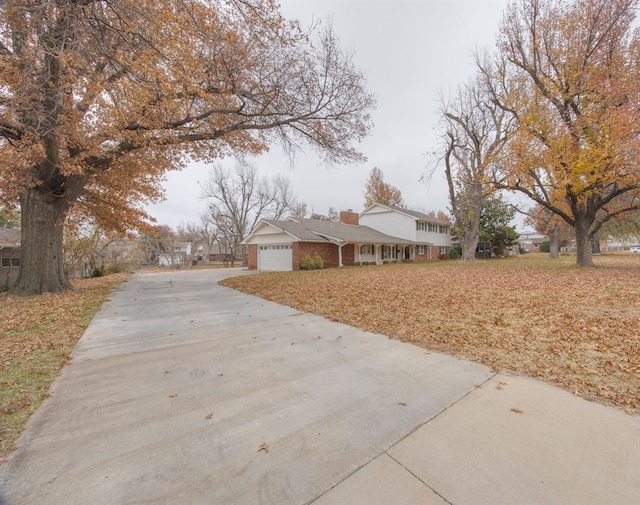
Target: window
(366, 249)
(443, 229)
(10, 262)
(421, 226)
(389, 252)
(265, 247)
(421, 250)
(433, 228)
(443, 249)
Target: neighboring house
(530, 241)
(431, 236)
(281, 244)
(177, 256)
(9, 256)
(621, 243)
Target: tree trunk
(469, 244)
(41, 264)
(583, 243)
(595, 244)
(554, 250)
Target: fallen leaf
(209, 415)
(500, 385)
(517, 410)
(264, 447)
(402, 403)
(173, 395)
(220, 374)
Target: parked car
(635, 248)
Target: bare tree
(240, 198)
(474, 131)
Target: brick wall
(328, 252)
(252, 256)
(349, 217)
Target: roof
(315, 230)
(413, 213)
(9, 238)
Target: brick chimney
(349, 217)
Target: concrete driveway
(185, 392)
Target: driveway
(182, 391)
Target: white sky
(409, 51)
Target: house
(178, 254)
(431, 236)
(281, 244)
(530, 240)
(9, 256)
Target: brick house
(281, 244)
(9, 256)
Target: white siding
(269, 235)
(390, 222)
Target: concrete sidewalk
(183, 391)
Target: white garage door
(275, 257)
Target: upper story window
(443, 228)
(433, 228)
(421, 226)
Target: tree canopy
(98, 99)
(379, 191)
(569, 75)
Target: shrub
(442, 256)
(545, 246)
(314, 262)
(454, 254)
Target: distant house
(9, 256)
(177, 255)
(281, 244)
(530, 241)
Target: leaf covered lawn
(577, 328)
(37, 335)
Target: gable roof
(9, 238)
(421, 216)
(315, 230)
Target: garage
(275, 257)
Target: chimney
(349, 217)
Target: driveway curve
(184, 391)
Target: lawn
(577, 328)
(38, 334)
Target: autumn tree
(548, 223)
(241, 197)
(474, 131)
(8, 219)
(100, 98)
(378, 191)
(569, 75)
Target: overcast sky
(410, 51)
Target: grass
(38, 335)
(576, 328)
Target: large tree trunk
(41, 264)
(469, 244)
(583, 243)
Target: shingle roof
(9, 238)
(314, 230)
